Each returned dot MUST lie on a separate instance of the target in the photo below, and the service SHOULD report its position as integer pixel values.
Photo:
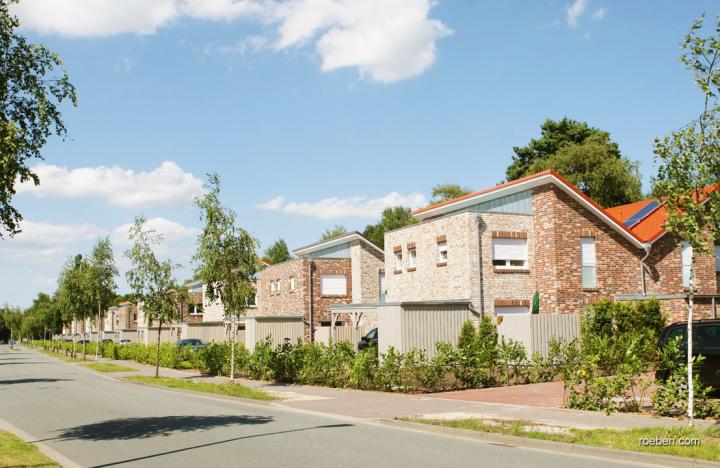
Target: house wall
(213, 311)
(321, 304)
(286, 301)
(366, 265)
(455, 280)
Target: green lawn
(61, 355)
(15, 452)
(708, 447)
(236, 390)
(109, 367)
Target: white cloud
(125, 64)
(385, 40)
(574, 12)
(350, 207)
(165, 185)
(42, 242)
(599, 14)
(92, 18)
(170, 231)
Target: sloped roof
(526, 183)
(325, 244)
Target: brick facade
(554, 265)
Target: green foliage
(671, 396)
(102, 272)
(594, 169)
(278, 252)
(32, 87)
(617, 343)
(391, 218)
(445, 192)
(332, 233)
(556, 134)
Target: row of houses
(488, 253)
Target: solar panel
(634, 219)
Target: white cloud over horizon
(574, 12)
(349, 207)
(165, 185)
(385, 40)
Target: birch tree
(689, 169)
(227, 262)
(74, 296)
(151, 280)
(102, 272)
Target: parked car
(124, 342)
(106, 340)
(194, 343)
(706, 342)
(370, 339)
(2, 341)
(83, 341)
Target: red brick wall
(321, 304)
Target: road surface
(96, 421)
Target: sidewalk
(380, 405)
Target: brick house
(343, 270)
(499, 246)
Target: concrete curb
(51, 453)
(644, 458)
(197, 392)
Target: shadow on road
(2, 363)
(143, 428)
(211, 444)
(33, 380)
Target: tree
(391, 218)
(553, 136)
(445, 192)
(74, 296)
(32, 87)
(41, 317)
(338, 231)
(278, 252)
(689, 169)
(101, 275)
(151, 280)
(593, 167)
(226, 258)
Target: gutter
(311, 312)
(647, 248)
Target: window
(398, 261)
(196, 309)
(442, 251)
(272, 287)
(278, 288)
(412, 258)
(717, 266)
(686, 254)
(589, 269)
(293, 283)
(134, 317)
(333, 285)
(509, 253)
(511, 310)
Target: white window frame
(520, 260)
(412, 258)
(686, 253)
(588, 262)
(442, 251)
(293, 283)
(336, 291)
(398, 261)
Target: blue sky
(336, 106)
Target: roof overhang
(347, 238)
(527, 184)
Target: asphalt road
(95, 421)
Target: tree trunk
(232, 350)
(74, 348)
(691, 387)
(97, 341)
(157, 362)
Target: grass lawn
(708, 447)
(237, 390)
(60, 355)
(15, 452)
(109, 367)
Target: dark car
(194, 343)
(106, 340)
(706, 342)
(84, 341)
(370, 339)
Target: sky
(321, 112)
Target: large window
(589, 268)
(510, 253)
(333, 285)
(717, 267)
(686, 254)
